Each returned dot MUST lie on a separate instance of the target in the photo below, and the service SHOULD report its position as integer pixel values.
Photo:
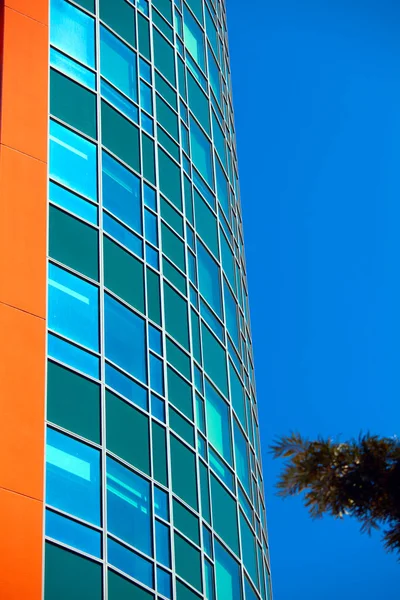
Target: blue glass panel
(72, 68)
(156, 375)
(125, 343)
(126, 387)
(212, 321)
(150, 199)
(201, 447)
(145, 69)
(73, 161)
(203, 189)
(158, 408)
(73, 477)
(123, 235)
(143, 5)
(121, 192)
(147, 123)
(118, 63)
(150, 221)
(163, 551)
(209, 573)
(152, 257)
(221, 469)
(129, 562)
(201, 152)
(207, 541)
(192, 268)
(73, 307)
(66, 199)
(146, 100)
(250, 594)
(73, 356)
(164, 582)
(196, 72)
(73, 534)
(119, 101)
(227, 575)
(128, 506)
(155, 340)
(161, 507)
(198, 381)
(72, 31)
(209, 278)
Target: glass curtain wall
(153, 471)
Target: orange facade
(23, 209)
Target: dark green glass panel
(174, 276)
(127, 432)
(165, 8)
(144, 36)
(164, 59)
(88, 4)
(73, 243)
(153, 296)
(68, 575)
(186, 522)
(173, 247)
(168, 143)
(180, 393)
(206, 223)
(188, 200)
(167, 118)
(224, 515)
(123, 274)
(73, 402)
(120, 136)
(184, 593)
(166, 91)
(120, 588)
(72, 103)
(120, 16)
(179, 359)
(182, 427)
(196, 336)
(183, 466)
(149, 167)
(214, 359)
(171, 216)
(187, 562)
(205, 493)
(159, 453)
(176, 317)
(169, 175)
(198, 103)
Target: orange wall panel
(23, 231)
(22, 374)
(31, 8)
(24, 99)
(20, 554)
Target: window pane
(201, 152)
(206, 223)
(125, 338)
(214, 360)
(248, 549)
(73, 356)
(209, 278)
(180, 393)
(121, 192)
(118, 63)
(120, 136)
(72, 31)
(73, 161)
(60, 564)
(73, 477)
(193, 37)
(224, 515)
(72, 103)
(121, 17)
(80, 207)
(129, 562)
(123, 274)
(227, 575)
(188, 562)
(241, 458)
(176, 318)
(73, 534)
(163, 552)
(73, 307)
(218, 422)
(183, 465)
(128, 506)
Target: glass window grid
(147, 319)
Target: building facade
(129, 433)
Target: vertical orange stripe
(23, 208)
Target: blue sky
(317, 103)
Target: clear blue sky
(317, 102)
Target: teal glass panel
(176, 317)
(120, 16)
(206, 223)
(120, 136)
(185, 593)
(165, 8)
(248, 549)
(237, 395)
(123, 274)
(166, 91)
(181, 426)
(163, 547)
(164, 58)
(183, 466)
(149, 165)
(241, 458)
(231, 315)
(171, 216)
(180, 393)
(205, 493)
(193, 38)
(72, 103)
(68, 575)
(120, 588)
(153, 296)
(224, 515)
(228, 577)
(209, 279)
(159, 453)
(186, 522)
(170, 179)
(227, 261)
(198, 103)
(178, 359)
(187, 562)
(197, 7)
(218, 422)
(219, 139)
(209, 577)
(167, 118)
(144, 36)
(201, 152)
(214, 359)
(118, 64)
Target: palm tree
(359, 478)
